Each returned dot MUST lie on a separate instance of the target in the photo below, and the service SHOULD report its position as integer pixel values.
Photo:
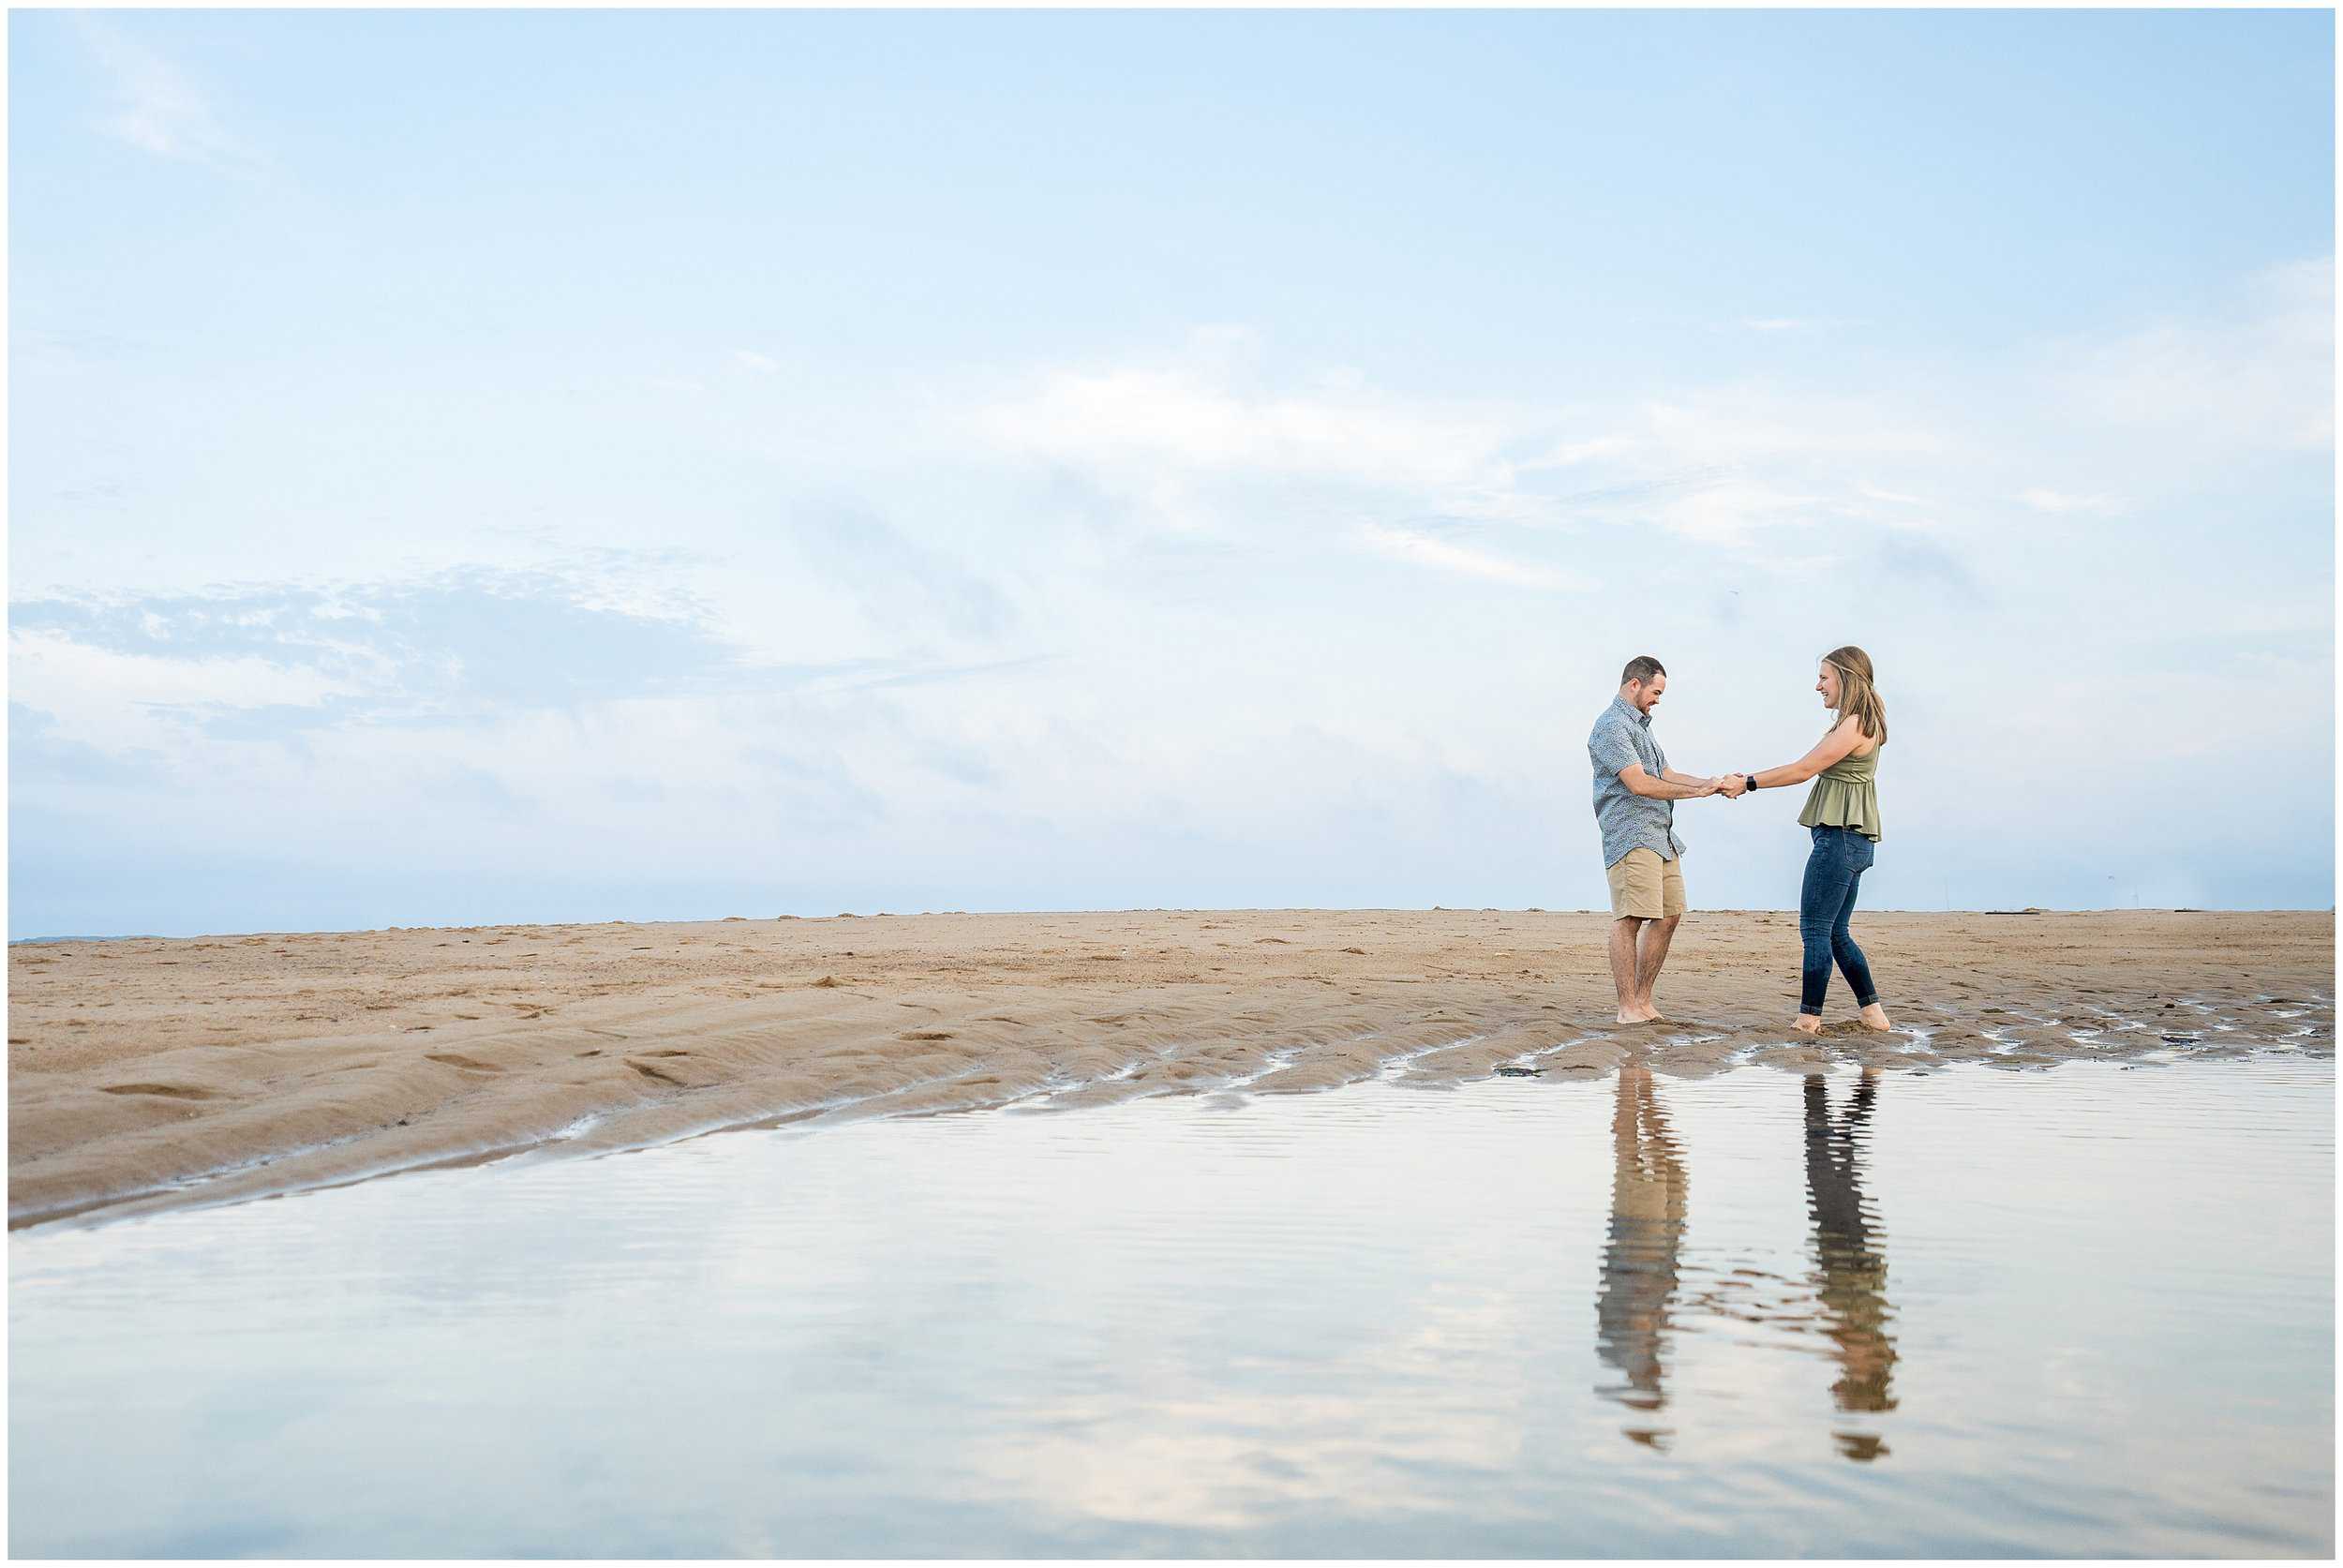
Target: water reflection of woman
(1852, 1281)
(1639, 1263)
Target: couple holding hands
(1634, 805)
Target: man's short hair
(1642, 668)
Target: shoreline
(1103, 914)
(153, 1073)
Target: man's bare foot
(1807, 1024)
(1875, 1017)
(1640, 1012)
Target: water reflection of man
(1639, 1264)
(1852, 1279)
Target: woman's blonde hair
(1856, 695)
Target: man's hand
(1733, 786)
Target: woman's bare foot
(1807, 1024)
(1875, 1017)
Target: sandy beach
(151, 1073)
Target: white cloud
(1873, 492)
(114, 700)
(2260, 375)
(1720, 465)
(1178, 421)
(1761, 422)
(764, 365)
(1424, 550)
(2058, 503)
(1730, 512)
(157, 109)
(1715, 464)
(1791, 323)
(1572, 454)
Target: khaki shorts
(1647, 887)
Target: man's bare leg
(1630, 1008)
(1652, 952)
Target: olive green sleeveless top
(1846, 795)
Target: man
(1635, 1300)
(1634, 805)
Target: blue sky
(583, 466)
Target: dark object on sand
(1519, 1072)
(2178, 1039)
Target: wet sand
(147, 1073)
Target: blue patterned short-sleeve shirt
(1629, 821)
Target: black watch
(1749, 781)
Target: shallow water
(2082, 1312)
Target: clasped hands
(1731, 786)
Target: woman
(1842, 813)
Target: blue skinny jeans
(1825, 904)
